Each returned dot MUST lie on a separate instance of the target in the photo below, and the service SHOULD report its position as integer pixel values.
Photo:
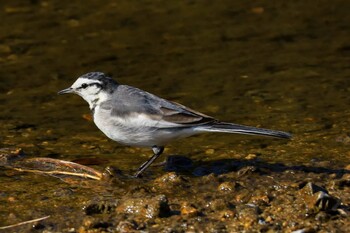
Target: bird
(133, 117)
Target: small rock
(111, 172)
(317, 198)
(250, 157)
(170, 177)
(88, 221)
(243, 196)
(11, 199)
(8, 155)
(188, 210)
(226, 214)
(145, 207)
(247, 215)
(45, 143)
(344, 181)
(260, 199)
(246, 170)
(343, 212)
(345, 138)
(310, 188)
(167, 181)
(226, 187)
(217, 204)
(126, 226)
(99, 208)
(321, 216)
(268, 219)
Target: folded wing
(142, 108)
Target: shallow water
(278, 65)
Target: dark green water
(273, 64)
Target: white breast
(138, 130)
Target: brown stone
(145, 207)
(188, 210)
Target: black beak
(65, 91)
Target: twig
(25, 222)
(56, 167)
(84, 175)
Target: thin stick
(25, 222)
(84, 175)
(67, 164)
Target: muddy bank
(227, 196)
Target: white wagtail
(135, 117)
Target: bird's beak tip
(65, 91)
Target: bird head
(92, 87)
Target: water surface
(279, 65)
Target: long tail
(225, 127)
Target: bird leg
(157, 150)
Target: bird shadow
(184, 165)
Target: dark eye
(84, 85)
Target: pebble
(188, 210)
(243, 196)
(167, 181)
(126, 227)
(145, 207)
(250, 157)
(248, 215)
(261, 199)
(226, 214)
(226, 187)
(317, 198)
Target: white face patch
(81, 81)
(89, 90)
